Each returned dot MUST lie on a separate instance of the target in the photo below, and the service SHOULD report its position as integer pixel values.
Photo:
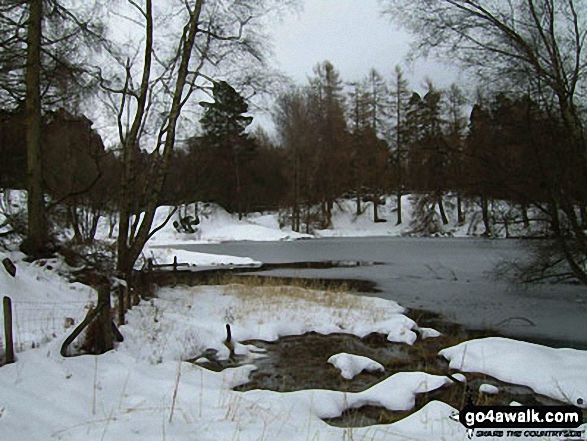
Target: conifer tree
(400, 96)
(224, 124)
(456, 125)
(332, 143)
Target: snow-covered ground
(145, 390)
(557, 373)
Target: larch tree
(327, 105)
(400, 96)
(54, 41)
(378, 104)
(359, 119)
(456, 125)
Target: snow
(145, 390)
(43, 303)
(351, 365)
(556, 373)
(217, 225)
(428, 333)
(488, 389)
(166, 255)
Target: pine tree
(224, 125)
(428, 150)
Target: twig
(524, 319)
(95, 385)
(175, 391)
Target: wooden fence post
(104, 338)
(121, 305)
(7, 306)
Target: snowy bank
(557, 373)
(144, 390)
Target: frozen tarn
(452, 277)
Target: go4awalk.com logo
(522, 421)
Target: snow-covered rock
(351, 365)
(488, 389)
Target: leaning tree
(186, 46)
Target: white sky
(354, 37)
(351, 34)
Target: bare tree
(400, 96)
(213, 34)
(534, 46)
(456, 125)
(297, 133)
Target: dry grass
(273, 293)
(302, 283)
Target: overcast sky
(354, 37)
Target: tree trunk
(37, 223)
(583, 212)
(94, 227)
(104, 338)
(442, 211)
(74, 222)
(296, 205)
(130, 245)
(399, 207)
(238, 184)
(329, 207)
(376, 207)
(485, 213)
(525, 219)
(460, 214)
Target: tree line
(521, 138)
(359, 140)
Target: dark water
(450, 276)
(299, 362)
